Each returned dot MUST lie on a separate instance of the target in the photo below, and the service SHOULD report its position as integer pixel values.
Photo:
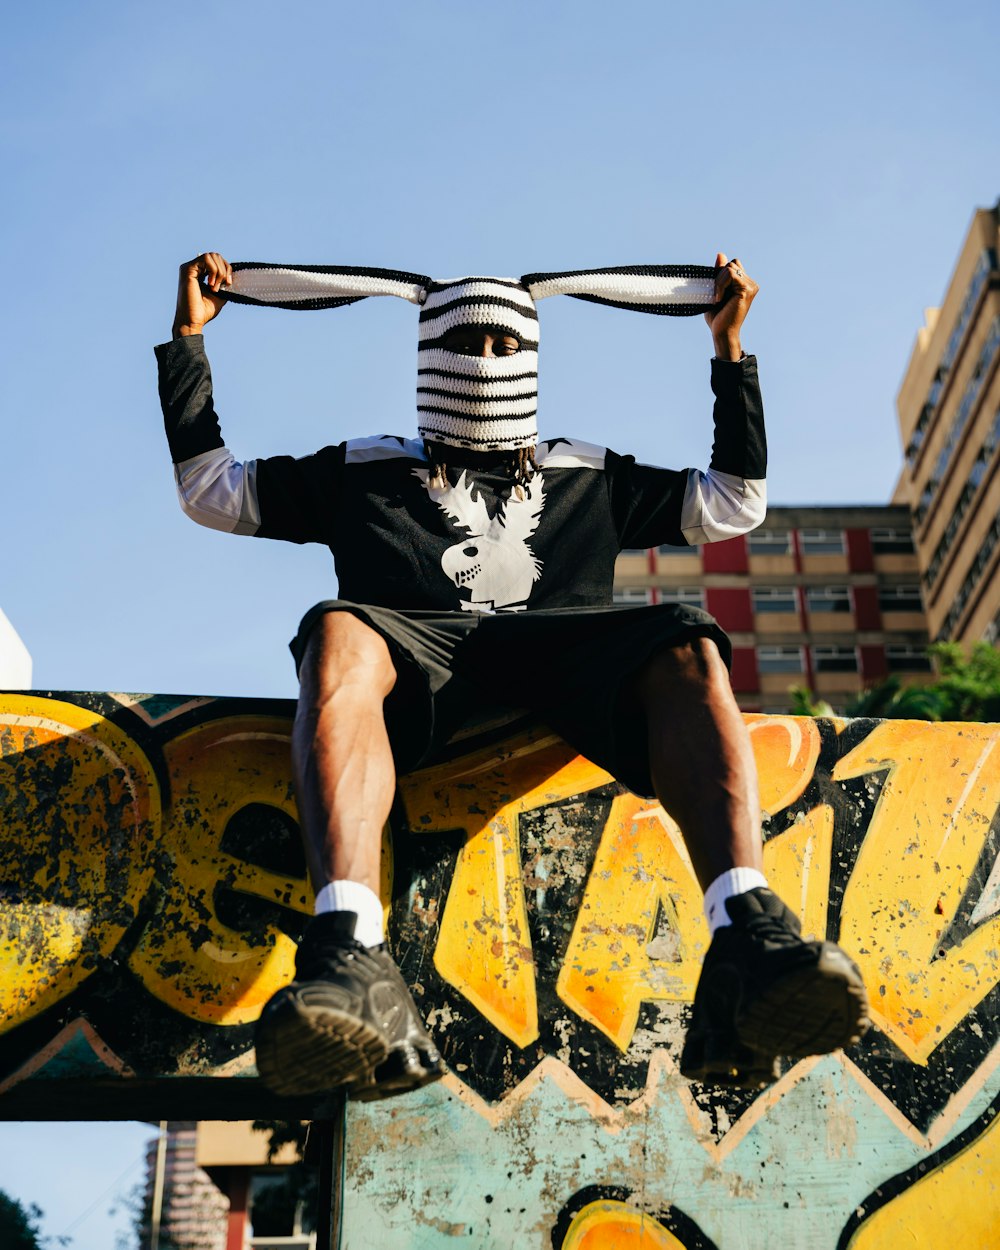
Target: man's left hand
(734, 293)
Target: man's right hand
(195, 306)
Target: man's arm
(731, 497)
(697, 506)
(213, 488)
(277, 497)
(734, 293)
(196, 307)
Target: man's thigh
(430, 698)
(573, 668)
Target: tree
(18, 1227)
(967, 689)
(805, 703)
(294, 1189)
(891, 700)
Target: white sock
(735, 881)
(365, 903)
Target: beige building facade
(261, 1212)
(949, 418)
(823, 597)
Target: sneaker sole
(810, 1011)
(719, 1059)
(405, 1070)
(312, 1051)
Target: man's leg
(347, 1019)
(763, 992)
(700, 757)
(345, 778)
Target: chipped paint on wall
(550, 926)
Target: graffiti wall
(549, 923)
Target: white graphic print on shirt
(493, 560)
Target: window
(779, 659)
(900, 599)
(278, 1216)
(770, 542)
(677, 551)
(965, 407)
(924, 420)
(888, 540)
(828, 599)
(633, 594)
(965, 498)
(835, 659)
(905, 658)
(775, 599)
(987, 263)
(691, 596)
(822, 542)
(972, 578)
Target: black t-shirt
(474, 545)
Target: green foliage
(891, 700)
(283, 1133)
(295, 1187)
(967, 689)
(18, 1227)
(805, 703)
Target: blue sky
(839, 151)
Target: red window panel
(731, 606)
(236, 1222)
(743, 676)
(866, 610)
(873, 665)
(860, 558)
(727, 557)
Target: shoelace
(769, 928)
(328, 957)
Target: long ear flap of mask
(318, 286)
(668, 290)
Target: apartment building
(182, 1207)
(949, 418)
(262, 1212)
(824, 597)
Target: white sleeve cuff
(218, 492)
(718, 506)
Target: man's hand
(195, 306)
(734, 293)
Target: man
(475, 567)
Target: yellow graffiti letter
(926, 835)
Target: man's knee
(695, 664)
(343, 650)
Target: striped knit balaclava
(481, 403)
(477, 403)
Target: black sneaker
(765, 992)
(345, 1019)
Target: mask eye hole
(487, 342)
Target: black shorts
(567, 666)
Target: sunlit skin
(700, 756)
(487, 342)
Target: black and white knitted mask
(479, 403)
(482, 403)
